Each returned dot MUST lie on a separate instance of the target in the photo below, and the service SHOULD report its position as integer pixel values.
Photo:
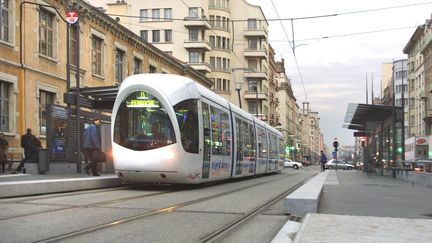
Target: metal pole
(257, 108)
(67, 57)
(238, 94)
(394, 130)
(403, 117)
(78, 113)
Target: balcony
(255, 52)
(195, 22)
(200, 66)
(255, 74)
(197, 45)
(252, 95)
(256, 32)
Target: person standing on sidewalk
(323, 160)
(92, 143)
(25, 142)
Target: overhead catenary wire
(292, 49)
(282, 19)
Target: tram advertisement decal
(219, 167)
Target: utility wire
(292, 49)
(282, 19)
(350, 34)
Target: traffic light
(399, 150)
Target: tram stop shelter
(380, 126)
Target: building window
(252, 24)
(73, 45)
(155, 35)
(137, 65)
(143, 15)
(119, 65)
(253, 44)
(212, 41)
(252, 86)
(45, 98)
(4, 20)
(212, 63)
(168, 35)
(46, 38)
(168, 13)
(152, 69)
(194, 57)
(144, 34)
(4, 106)
(97, 53)
(253, 107)
(193, 35)
(193, 13)
(156, 14)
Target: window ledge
(7, 43)
(48, 58)
(98, 76)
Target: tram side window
(239, 138)
(273, 146)
(281, 149)
(262, 143)
(248, 141)
(187, 118)
(221, 139)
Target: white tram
(167, 128)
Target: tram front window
(142, 123)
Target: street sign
(360, 134)
(72, 16)
(334, 154)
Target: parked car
(289, 163)
(340, 165)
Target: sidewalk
(355, 207)
(12, 185)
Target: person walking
(323, 160)
(92, 142)
(4, 146)
(25, 142)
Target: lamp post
(238, 85)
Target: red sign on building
(72, 16)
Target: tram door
(206, 140)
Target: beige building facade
(230, 47)
(33, 73)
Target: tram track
(151, 213)
(221, 233)
(67, 207)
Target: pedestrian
(33, 145)
(4, 146)
(323, 160)
(25, 140)
(92, 142)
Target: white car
(293, 164)
(339, 165)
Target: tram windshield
(142, 123)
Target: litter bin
(43, 161)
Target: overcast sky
(334, 69)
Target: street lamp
(238, 87)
